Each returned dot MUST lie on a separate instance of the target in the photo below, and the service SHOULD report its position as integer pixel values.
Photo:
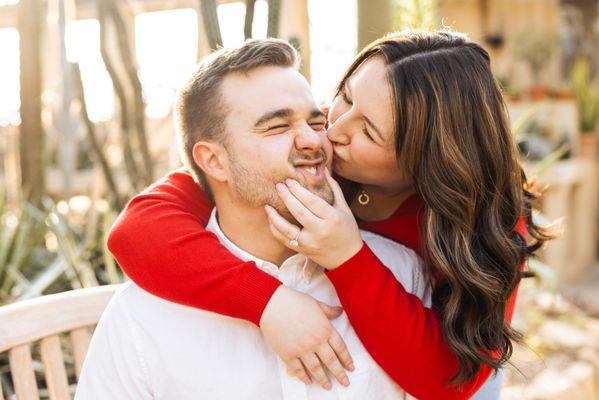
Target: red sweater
(160, 242)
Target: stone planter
(538, 93)
(589, 145)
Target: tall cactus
(250, 5)
(274, 17)
(210, 18)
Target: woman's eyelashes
(345, 98)
(349, 102)
(368, 136)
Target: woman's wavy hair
(453, 139)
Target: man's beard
(256, 187)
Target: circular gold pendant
(363, 198)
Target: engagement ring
(294, 242)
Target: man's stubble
(256, 187)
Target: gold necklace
(363, 198)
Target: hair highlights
(453, 139)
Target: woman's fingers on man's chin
(303, 215)
(312, 202)
(337, 191)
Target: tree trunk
(375, 19)
(68, 142)
(95, 142)
(32, 138)
(138, 110)
(106, 31)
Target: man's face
(274, 131)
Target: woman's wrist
(344, 255)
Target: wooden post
(32, 138)
(294, 27)
(375, 19)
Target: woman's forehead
(372, 72)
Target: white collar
(307, 266)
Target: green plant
(415, 14)
(536, 48)
(20, 238)
(586, 93)
(57, 247)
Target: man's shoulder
(404, 263)
(138, 302)
(126, 301)
(143, 309)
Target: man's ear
(209, 156)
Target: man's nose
(308, 139)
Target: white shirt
(146, 347)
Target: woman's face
(362, 129)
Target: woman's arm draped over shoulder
(160, 242)
(403, 336)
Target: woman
(423, 147)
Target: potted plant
(536, 48)
(586, 94)
(561, 92)
(511, 91)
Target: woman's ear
(209, 156)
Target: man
(246, 120)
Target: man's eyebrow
(316, 113)
(374, 127)
(284, 113)
(281, 113)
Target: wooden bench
(43, 319)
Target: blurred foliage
(536, 46)
(415, 14)
(544, 275)
(53, 249)
(536, 140)
(586, 93)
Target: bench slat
(31, 320)
(23, 376)
(80, 339)
(56, 374)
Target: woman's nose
(336, 132)
(308, 139)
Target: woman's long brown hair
(453, 139)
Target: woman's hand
(330, 235)
(297, 327)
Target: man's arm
(114, 367)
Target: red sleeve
(404, 337)
(160, 242)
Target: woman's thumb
(330, 311)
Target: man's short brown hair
(200, 110)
